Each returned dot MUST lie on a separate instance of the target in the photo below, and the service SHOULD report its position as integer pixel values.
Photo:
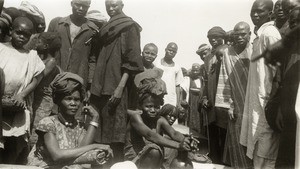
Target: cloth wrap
(216, 31)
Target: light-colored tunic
(19, 67)
(255, 131)
(173, 77)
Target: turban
(216, 31)
(65, 83)
(31, 9)
(96, 16)
(202, 48)
(5, 18)
(83, 2)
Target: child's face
(294, 20)
(40, 46)
(150, 107)
(20, 35)
(149, 54)
(172, 117)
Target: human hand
(87, 96)
(89, 110)
(205, 103)
(184, 145)
(19, 100)
(230, 114)
(106, 148)
(116, 97)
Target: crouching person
(143, 145)
(62, 140)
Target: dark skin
(21, 33)
(144, 121)
(261, 12)
(79, 11)
(149, 54)
(48, 59)
(241, 36)
(69, 106)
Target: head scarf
(65, 83)
(31, 9)
(216, 31)
(152, 86)
(202, 48)
(12, 12)
(83, 2)
(96, 16)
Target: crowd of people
(83, 94)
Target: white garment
(173, 77)
(19, 69)
(255, 129)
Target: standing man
(261, 141)
(217, 118)
(119, 59)
(172, 75)
(231, 93)
(74, 55)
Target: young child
(22, 70)
(47, 44)
(168, 114)
(143, 144)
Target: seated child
(144, 145)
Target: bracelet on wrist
(95, 124)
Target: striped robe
(230, 95)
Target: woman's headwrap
(82, 2)
(216, 31)
(31, 9)
(202, 48)
(167, 109)
(65, 83)
(96, 16)
(152, 86)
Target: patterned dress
(67, 138)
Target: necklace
(64, 121)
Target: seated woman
(62, 140)
(143, 145)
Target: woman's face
(150, 107)
(70, 104)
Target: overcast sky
(184, 22)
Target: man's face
(149, 54)
(113, 7)
(171, 51)
(294, 19)
(259, 13)
(20, 35)
(241, 36)
(79, 9)
(204, 54)
(215, 41)
(150, 107)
